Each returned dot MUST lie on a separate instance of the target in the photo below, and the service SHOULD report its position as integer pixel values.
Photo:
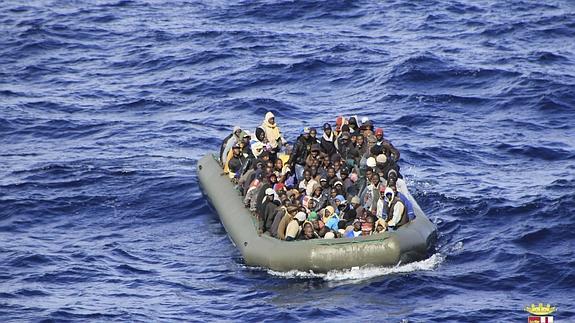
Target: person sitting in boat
(404, 199)
(273, 134)
(356, 231)
(353, 126)
(317, 223)
(300, 151)
(235, 163)
(319, 198)
(228, 142)
(384, 146)
(380, 226)
(327, 141)
(267, 210)
(312, 159)
(285, 220)
(307, 232)
(294, 227)
(396, 210)
(367, 225)
(281, 212)
(372, 194)
(338, 185)
(308, 182)
(351, 211)
(349, 155)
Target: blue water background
(106, 106)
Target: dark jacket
(328, 147)
(300, 151)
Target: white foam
(364, 273)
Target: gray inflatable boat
(409, 243)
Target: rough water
(105, 107)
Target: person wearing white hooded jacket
(272, 132)
(394, 207)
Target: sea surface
(106, 106)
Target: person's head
(268, 170)
(352, 122)
(246, 138)
(381, 161)
(380, 226)
(278, 165)
(260, 134)
(375, 179)
(305, 133)
(327, 129)
(325, 161)
(237, 131)
(236, 150)
(333, 192)
(308, 230)
(389, 195)
(359, 140)
(379, 134)
(307, 174)
(312, 132)
(270, 118)
(317, 191)
(339, 200)
(345, 137)
(331, 172)
(337, 166)
(353, 139)
(270, 193)
(322, 232)
(315, 163)
(368, 173)
(367, 226)
(315, 150)
(300, 217)
(356, 225)
(392, 174)
(355, 202)
(311, 203)
(265, 156)
(273, 178)
(343, 173)
(323, 182)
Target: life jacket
(404, 218)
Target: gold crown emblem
(540, 310)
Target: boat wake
(364, 273)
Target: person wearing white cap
(294, 227)
(267, 210)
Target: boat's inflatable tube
(409, 243)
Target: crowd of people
(342, 184)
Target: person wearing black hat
(353, 127)
(300, 151)
(348, 153)
(327, 141)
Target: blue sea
(106, 106)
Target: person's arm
(397, 212)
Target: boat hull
(409, 243)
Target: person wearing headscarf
(396, 210)
(228, 142)
(273, 134)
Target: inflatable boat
(411, 242)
